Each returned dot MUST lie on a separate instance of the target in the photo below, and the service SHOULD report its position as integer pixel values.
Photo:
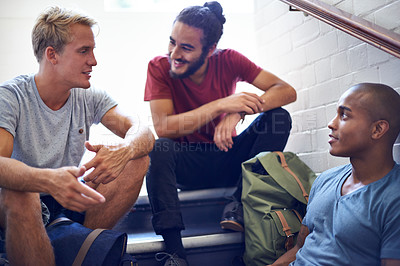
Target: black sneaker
(232, 217)
(171, 260)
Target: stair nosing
(153, 246)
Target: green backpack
(275, 195)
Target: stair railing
(356, 26)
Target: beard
(192, 66)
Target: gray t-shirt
(43, 137)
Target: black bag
(77, 245)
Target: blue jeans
(192, 166)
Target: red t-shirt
(225, 69)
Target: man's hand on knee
(108, 163)
(70, 192)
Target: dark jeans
(202, 165)
(57, 211)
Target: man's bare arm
(277, 93)
(170, 125)
(110, 160)
(290, 255)
(61, 183)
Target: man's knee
(22, 206)
(163, 155)
(142, 165)
(11, 199)
(137, 168)
(276, 121)
(163, 146)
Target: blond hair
(52, 28)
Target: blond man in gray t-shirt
(44, 127)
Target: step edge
(153, 246)
(189, 195)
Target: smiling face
(75, 61)
(352, 127)
(186, 51)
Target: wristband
(242, 115)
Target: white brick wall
(322, 62)
(383, 13)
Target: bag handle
(286, 167)
(85, 246)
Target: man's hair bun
(216, 8)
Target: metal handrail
(358, 27)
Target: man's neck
(367, 171)
(200, 74)
(53, 95)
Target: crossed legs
(27, 242)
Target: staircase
(204, 240)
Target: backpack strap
(286, 167)
(289, 243)
(85, 246)
(298, 215)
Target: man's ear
(51, 55)
(379, 129)
(211, 50)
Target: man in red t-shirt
(195, 111)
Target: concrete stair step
(204, 240)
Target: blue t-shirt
(43, 137)
(359, 228)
